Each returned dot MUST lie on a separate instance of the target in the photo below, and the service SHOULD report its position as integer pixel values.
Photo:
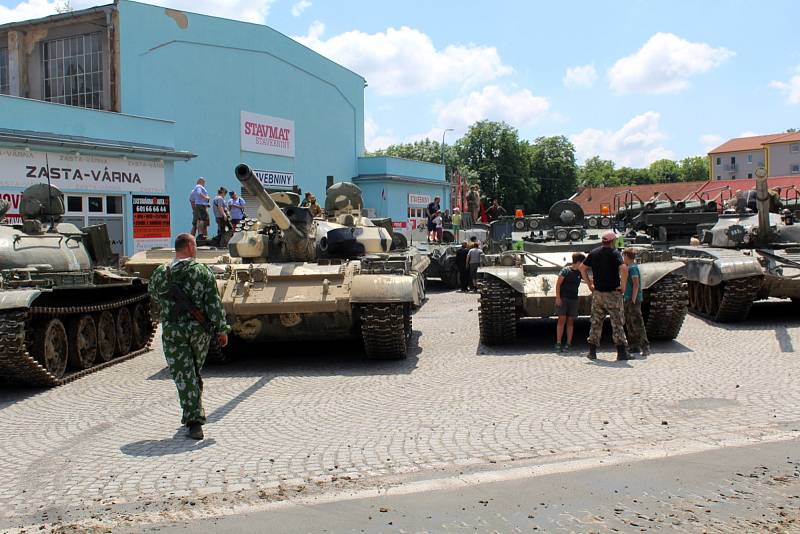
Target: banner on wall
(151, 222)
(267, 135)
(275, 179)
(70, 172)
(419, 200)
(12, 196)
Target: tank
(668, 221)
(442, 262)
(64, 310)
(143, 263)
(743, 258)
(517, 284)
(302, 278)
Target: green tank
(65, 311)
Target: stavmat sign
(267, 135)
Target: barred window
(72, 70)
(4, 87)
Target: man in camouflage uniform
(609, 277)
(185, 339)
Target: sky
(633, 81)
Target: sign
(275, 179)
(151, 222)
(267, 135)
(419, 200)
(68, 172)
(399, 224)
(13, 197)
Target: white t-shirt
(437, 221)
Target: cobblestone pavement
(290, 420)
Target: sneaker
(645, 351)
(566, 348)
(196, 431)
(558, 347)
(634, 350)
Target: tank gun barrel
(762, 199)
(245, 175)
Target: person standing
(607, 282)
(199, 201)
(456, 223)
(236, 208)
(190, 312)
(473, 262)
(220, 208)
(495, 211)
(461, 265)
(634, 322)
(433, 208)
(567, 285)
(438, 227)
(474, 203)
(313, 207)
(306, 200)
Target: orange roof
(741, 144)
(592, 198)
(785, 138)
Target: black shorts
(569, 307)
(200, 213)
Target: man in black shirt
(609, 276)
(461, 263)
(495, 211)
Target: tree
(596, 172)
(493, 151)
(64, 7)
(632, 176)
(664, 171)
(425, 150)
(552, 164)
(694, 169)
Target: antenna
(49, 194)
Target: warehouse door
(86, 210)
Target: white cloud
(636, 144)
(405, 60)
(664, 64)
(246, 10)
(710, 141)
(581, 76)
(299, 7)
(519, 108)
(749, 133)
(790, 89)
(374, 138)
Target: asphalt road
(740, 489)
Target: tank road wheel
(383, 327)
(50, 347)
(124, 331)
(497, 314)
(665, 308)
(82, 334)
(142, 326)
(106, 336)
(693, 304)
(736, 297)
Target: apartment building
(739, 158)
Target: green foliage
(596, 172)
(425, 150)
(664, 171)
(694, 169)
(632, 176)
(552, 164)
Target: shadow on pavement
(776, 316)
(228, 407)
(313, 358)
(177, 444)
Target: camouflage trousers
(185, 348)
(607, 303)
(634, 325)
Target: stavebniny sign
(267, 135)
(70, 172)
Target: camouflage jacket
(196, 280)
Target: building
(739, 158)
(169, 96)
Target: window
(719, 177)
(96, 204)
(733, 160)
(72, 71)
(4, 84)
(749, 158)
(719, 161)
(749, 175)
(74, 204)
(795, 169)
(114, 205)
(733, 177)
(794, 149)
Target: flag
(383, 194)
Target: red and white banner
(267, 135)
(12, 196)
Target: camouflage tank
(743, 258)
(64, 312)
(303, 278)
(143, 263)
(516, 284)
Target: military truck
(303, 278)
(743, 258)
(517, 284)
(664, 219)
(65, 311)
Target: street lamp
(444, 132)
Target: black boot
(196, 431)
(622, 353)
(592, 355)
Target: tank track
(384, 339)
(667, 305)
(735, 298)
(497, 315)
(16, 333)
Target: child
(569, 280)
(634, 323)
(438, 223)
